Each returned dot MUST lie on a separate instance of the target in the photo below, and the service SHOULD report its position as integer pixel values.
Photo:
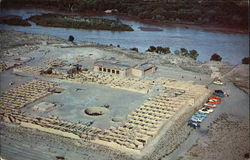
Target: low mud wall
(175, 132)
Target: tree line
(226, 13)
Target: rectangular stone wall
(136, 72)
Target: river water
(232, 47)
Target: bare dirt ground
(78, 97)
(224, 134)
(227, 138)
(239, 75)
(19, 143)
(12, 39)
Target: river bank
(204, 42)
(219, 29)
(14, 20)
(193, 12)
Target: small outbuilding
(143, 69)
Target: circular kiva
(96, 111)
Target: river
(232, 47)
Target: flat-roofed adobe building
(112, 68)
(124, 70)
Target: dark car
(193, 124)
(219, 93)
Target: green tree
(159, 11)
(152, 49)
(166, 50)
(184, 51)
(245, 60)
(193, 54)
(215, 57)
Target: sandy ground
(17, 143)
(227, 138)
(239, 75)
(26, 144)
(224, 134)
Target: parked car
(193, 124)
(214, 100)
(206, 110)
(218, 91)
(198, 119)
(199, 115)
(220, 95)
(210, 105)
(218, 82)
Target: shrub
(71, 38)
(159, 49)
(215, 57)
(134, 49)
(193, 54)
(177, 52)
(184, 51)
(166, 50)
(245, 60)
(152, 49)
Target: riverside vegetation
(67, 21)
(231, 14)
(14, 20)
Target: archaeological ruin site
(104, 101)
(124, 80)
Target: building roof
(115, 65)
(66, 68)
(144, 66)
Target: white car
(196, 119)
(210, 105)
(206, 110)
(217, 82)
